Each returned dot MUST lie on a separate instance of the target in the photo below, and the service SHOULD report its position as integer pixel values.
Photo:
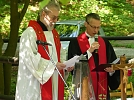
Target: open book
(101, 67)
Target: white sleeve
(41, 68)
(89, 54)
(111, 73)
(90, 40)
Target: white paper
(116, 61)
(71, 62)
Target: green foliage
(4, 20)
(42, 3)
(69, 83)
(66, 30)
(117, 16)
(3, 2)
(131, 78)
(64, 2)
(31, 14)
(14, 72)
(118, 21)
(77, 10)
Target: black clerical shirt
(44, 28)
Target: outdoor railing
(107, 37)
(14, 60)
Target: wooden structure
(6, 97)
(9, 60)
(123, 67)
(129, 92)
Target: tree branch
(23, 11)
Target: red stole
(46, 89)
(101, 81)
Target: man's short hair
(92, 15)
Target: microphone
(42, 43)
(96, 39)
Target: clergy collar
(44, 28)
(87, 35)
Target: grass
(122, 43)
(13, 79)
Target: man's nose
(55, 20)
(96, 30)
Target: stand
(82, 82)
(59, 73)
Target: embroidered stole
(99, 79)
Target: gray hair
(46, 8)
(51, 4)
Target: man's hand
(60, 66)
(109, 69)
(94, 46)
(69, 69)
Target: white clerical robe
(34, 70)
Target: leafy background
(117, 16)
(117, 20)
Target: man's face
(51, 18)
(92, 26)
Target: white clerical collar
(87, 35)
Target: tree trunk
(12, 44)
(2, 79)
(16, 18)
(1, 69)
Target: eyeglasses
(94, 27)
(53, 17)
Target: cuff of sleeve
(111, 73)
(89, 54)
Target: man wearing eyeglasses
(38, 78)
(98, 51)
